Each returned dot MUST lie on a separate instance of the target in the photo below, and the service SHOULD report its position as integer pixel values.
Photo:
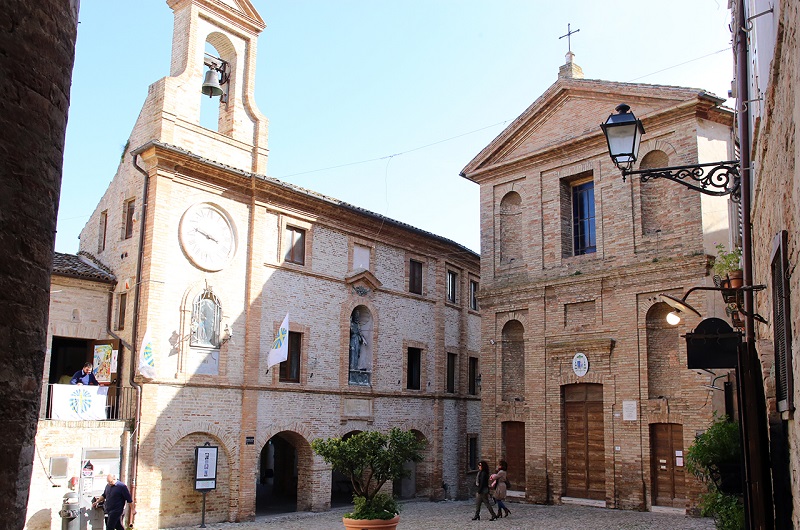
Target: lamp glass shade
(679, 305)
(624, 134)
(673, 318)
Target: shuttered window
(781, 322)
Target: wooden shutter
(781, 322)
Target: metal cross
(569, 32)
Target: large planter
(371, 524)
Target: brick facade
(542, 304)
(224, 395)
(775, 76)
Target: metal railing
(63, 404)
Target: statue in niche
(357, 340)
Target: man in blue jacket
(84, 376)
(113, 499)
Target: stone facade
(190, 223)
(35, 73)
(572, 434)
(775, 77)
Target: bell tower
(213, 43)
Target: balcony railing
(95, 404)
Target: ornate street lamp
(624, 132)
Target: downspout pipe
(758, 485)
(134, 462)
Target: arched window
(360, 349)
(206, 317)
(510, 226)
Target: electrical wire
(681, 64)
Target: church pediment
(241, 12)
(362, 281)
(572, 109)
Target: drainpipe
(134, 463)
(758, 486)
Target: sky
(382, 103)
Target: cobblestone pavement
(457, 515)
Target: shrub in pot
(370, 459)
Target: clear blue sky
(347, 81)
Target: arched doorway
(283, 462)
(417, 482)
(341, 488)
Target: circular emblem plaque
(580, 364)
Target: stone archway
(283, 482)
(180, 504)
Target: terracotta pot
(733, 280)
(371, 524)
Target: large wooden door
(666, 465)
(584, 441)
(514, 445)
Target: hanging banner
(78, 402)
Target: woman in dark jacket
(482, 496)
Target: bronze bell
(211, 86)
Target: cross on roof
(569, 32)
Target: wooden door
(666, 465)
(514, 446)
(584, 441)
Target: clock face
(207, 236)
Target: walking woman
(482, 496)
(500, 485)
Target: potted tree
(728, 266)
(370, 459)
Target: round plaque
(580, 364)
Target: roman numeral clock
(208, 236)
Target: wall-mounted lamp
(227, 334)
(681, 307)
(623, 134)
(217, 77)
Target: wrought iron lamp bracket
(738, 303)
(722, 179)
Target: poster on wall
(102, 362)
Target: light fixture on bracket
(682, 307)
(623, 132)
(217, 77)
(227, 334)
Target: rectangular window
(473, 376)
(290, 368)
(781, 322)
(130, 209)
(583, 224)
(361, 257)
(473, 295)
(414, 277)
(295, 245)
(452, 283)
(101, 242)
(414, 369)
(472, 453)
(59, 466)
(451, 373)
(122, 307)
